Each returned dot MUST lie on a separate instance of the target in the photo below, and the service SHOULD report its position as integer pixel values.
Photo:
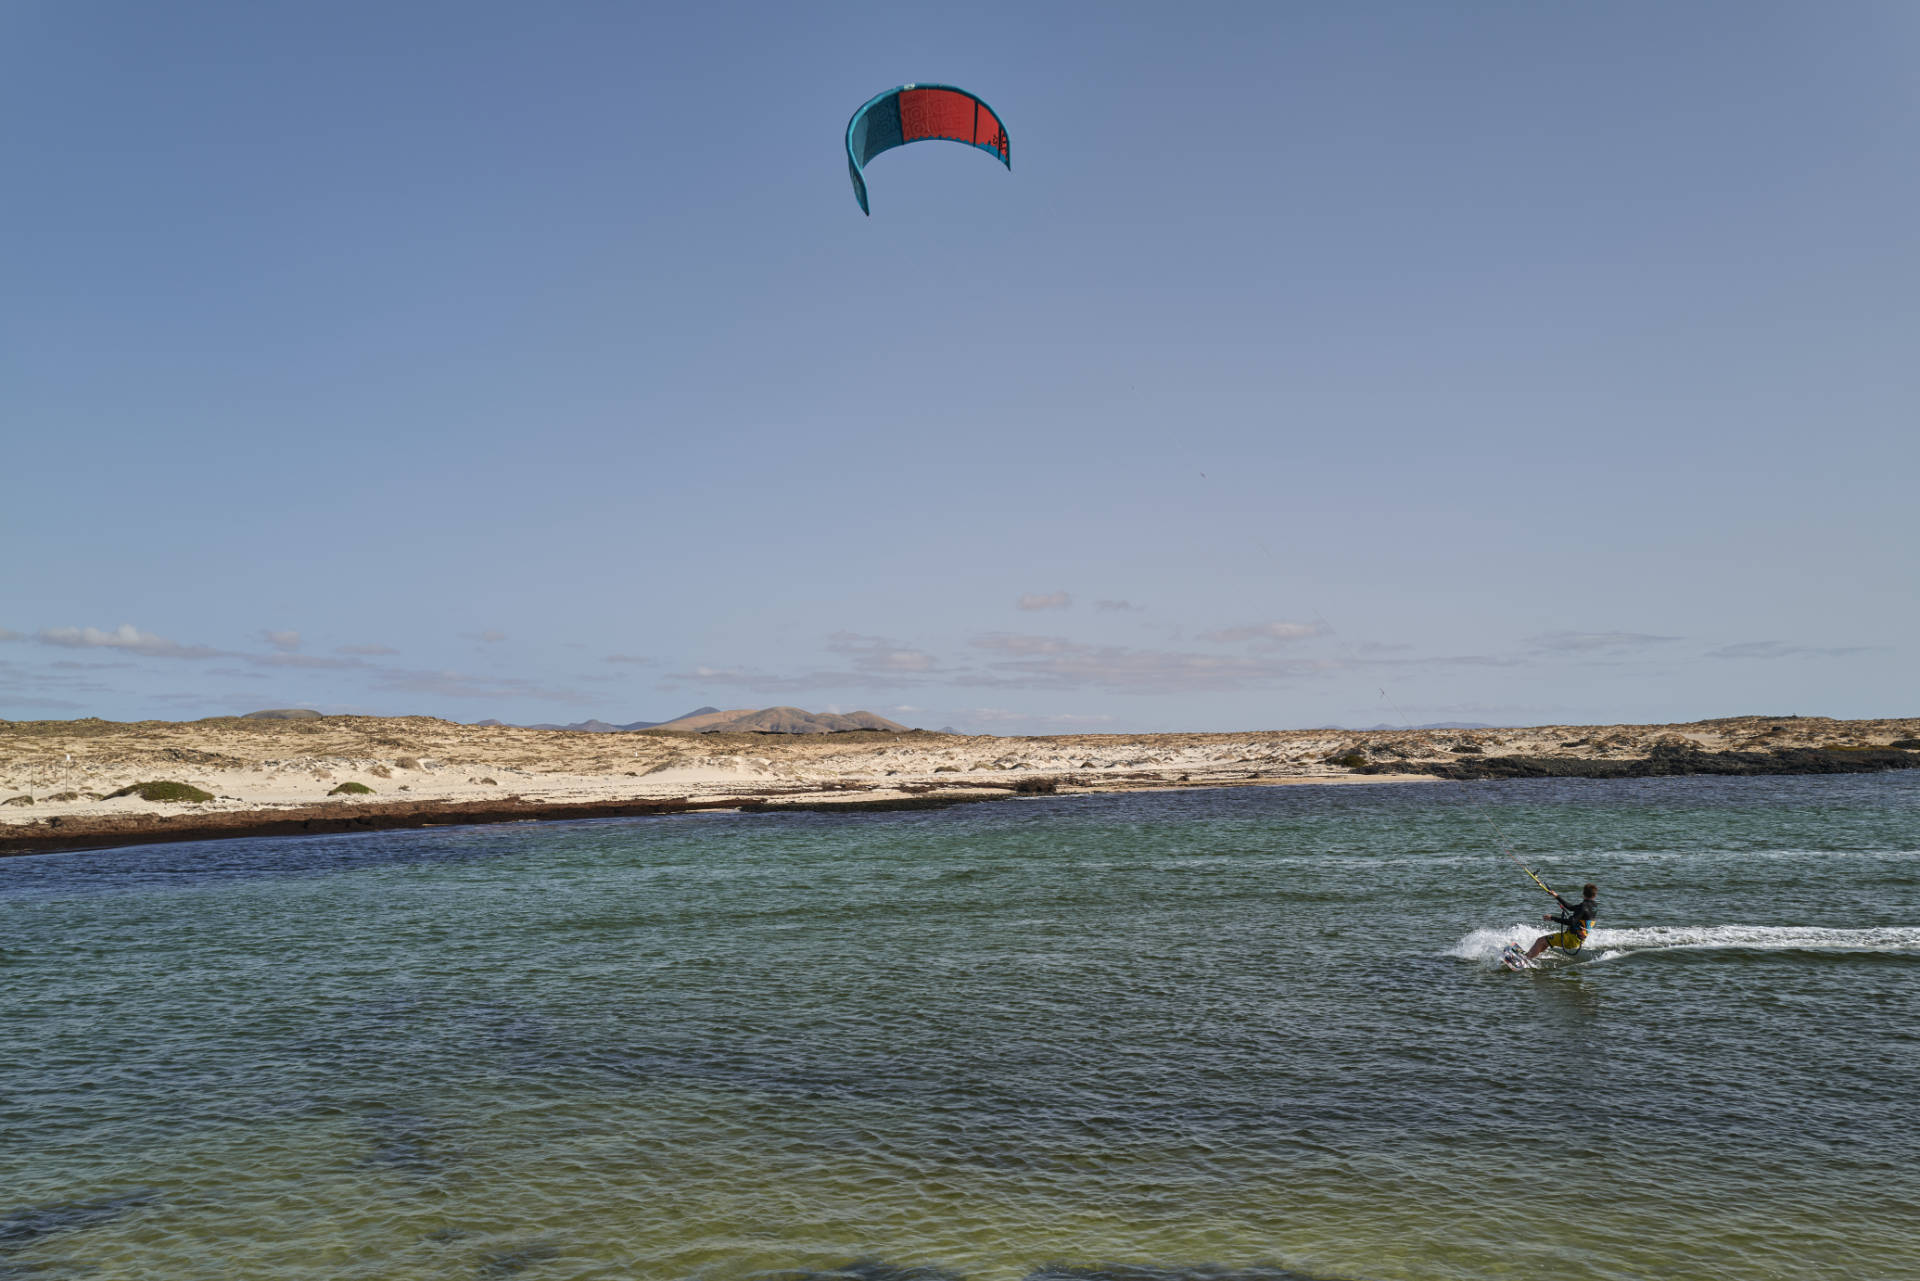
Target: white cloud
(286, 642)
(125, 637)
(1118, 607)
(638, 660)
(1048, 600)
(6, 635)
(369, 651)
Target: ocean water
(1255, 1031)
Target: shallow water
(1254, 1028)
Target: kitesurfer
(1574, 923)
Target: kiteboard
(1512, 958)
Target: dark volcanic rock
(382, 815)
(1661, 762)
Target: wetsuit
(1574, 923)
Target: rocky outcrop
(1662, 761)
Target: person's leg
(1539, 946)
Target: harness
(1576, 922)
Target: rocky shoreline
(1662, 762)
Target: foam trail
(1485, 945)
(1606, 944)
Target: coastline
(273, 778)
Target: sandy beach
(57, 777)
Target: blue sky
(1314, 364)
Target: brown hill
(783, 720)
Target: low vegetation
(162, 790)
(351, 789)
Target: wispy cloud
(638, 660)
(453, 684)
(6, 635)
(1119, 607)
(1020, 643)
(1265, 633)
(37, 687)
(366, 651)
(25, 699)
(874, 662)
(126, 638)
(1047, 600)
(1054, 662)
(313, 662)
(1605, 644)
(286, 642)
(1057, 720)
(1779, 649)
(488, 637)
(759, 682)
(878, 655)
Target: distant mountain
(284, 714)
(781, 720)
(600, 726)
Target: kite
(916, 113)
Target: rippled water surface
(1252, 1029)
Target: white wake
(1606, 944)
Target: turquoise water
(1124, 1035)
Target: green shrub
(1352, 760)
(162, 790)
(1906, 744)
(351, 789)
